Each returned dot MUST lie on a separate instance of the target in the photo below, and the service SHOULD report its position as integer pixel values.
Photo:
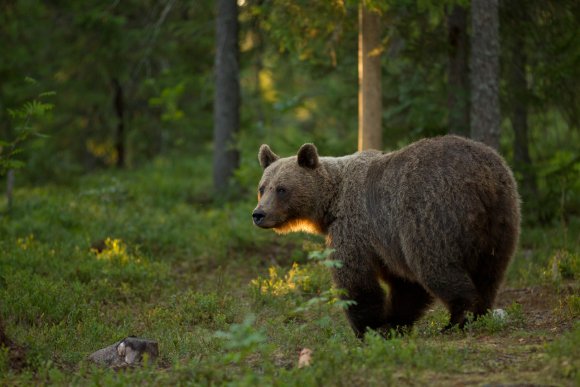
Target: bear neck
(331, 170)
(335, 173)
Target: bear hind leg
(487, 279)
(455, 288)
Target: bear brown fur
(437, 219)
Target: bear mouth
(263, 221)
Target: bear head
(289, 191)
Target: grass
(149, 253)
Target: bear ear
(266, 156)
(308, 156)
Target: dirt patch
(541, 306)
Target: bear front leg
(362, 286)
(407, 301)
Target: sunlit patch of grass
(115, 250)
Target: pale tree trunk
(485, 110)
(369, 79)
(458, 72)
(227, 94)
(519, 115)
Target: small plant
(24, 128)
(323, 257)
(242, 340)
(570, 306)
(496, 320)
(115, 251)
(563, 265)
(278, 284)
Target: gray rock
(127, 352)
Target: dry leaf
(305, 358)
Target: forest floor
(522, 356)
(145, 253)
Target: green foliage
(25, 122)
(539, 248)
(562, 266)
(87, 259)
(565, 354)
(211, 309)
(497, 320)
(4, 360)
(241, 340)
(169, 101)
(146, 253)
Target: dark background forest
(127, 81)
(129, 133)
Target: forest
(129, 137)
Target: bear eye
(261, 191)
(280, 190)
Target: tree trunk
(119, 105)
(227, 94)
(9, 188)
(369, 80)
(519, 116)
(485, 109)
(458, 72)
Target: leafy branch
(24, 118)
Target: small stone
(499, 314)
(127, 352)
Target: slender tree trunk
(9, 188)
(458, 72)
(119, 105)
(258, 66)
(485, 109)
(227, 94)
(369, 79)
(519, 115)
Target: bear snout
(258, 217)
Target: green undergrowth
(151, 253)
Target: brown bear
(437, 219)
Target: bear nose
(258, 216)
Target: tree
(519, 113)
(458, 71)
(227, 94)
(119, 105)
(369, 75)
(485, 109)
